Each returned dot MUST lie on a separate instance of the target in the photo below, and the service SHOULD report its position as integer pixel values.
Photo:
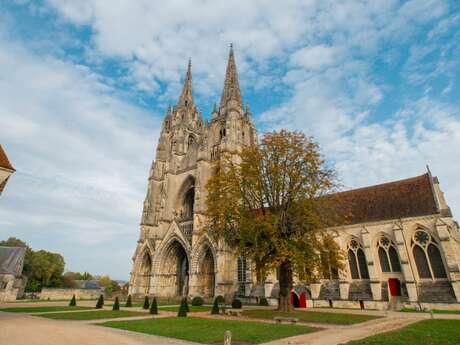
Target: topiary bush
(100, 302)
(129, 302)
(183, 308)
(263, 301)
(116, 304)
(215, 307)
(220, 299)
(197, 301)
(73, 302)
(146, 303)
(154, 307)
(236, 304)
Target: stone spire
(186, 97)
(231, 85)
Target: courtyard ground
(21, 329)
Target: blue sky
(84, 85)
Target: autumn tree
(269, 201)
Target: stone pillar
(344, 287)
(315, 290)
(456, 287)
(406, 268)
(376, 286)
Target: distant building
(6, 169)
(12, 281)
(88, 284)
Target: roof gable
(4, 162)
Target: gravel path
(20, 329)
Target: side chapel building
(402, 243)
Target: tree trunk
(285, 281)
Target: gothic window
(388, 256)
(189, 200)
(222, 133)
(191, 140)
(357, 261)
(242, 267)
(427, 256)
(241, 270)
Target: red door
(395, 287)
(302, 300)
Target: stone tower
(174, 255)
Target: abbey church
(401, 242)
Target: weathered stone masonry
(402, 243)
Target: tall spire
(186, 97)
(231, 85)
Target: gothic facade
(402, 244)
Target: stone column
(406, 268)
(315, 290)
(376, 286)
(344, 287)
(453, 271)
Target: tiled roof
(12, 260)
(4, 162)
(411, 197)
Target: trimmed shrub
(154, 307)
(197, 301)
(215, 307)
(220, 299)
(100, 302)
(236, 303)
(73, 302)
(146, 303)
(129, 302)
(263, 301)
(183, 308)
(186, 304)
(116, 304)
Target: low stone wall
(55, 294)
(8, 295)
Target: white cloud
(315, 57)
(321, 56)
(81, 154)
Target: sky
(84, 86)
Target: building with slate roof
(401, 242)
(12, 281)
(6, 169)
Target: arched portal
(145, 270)
(206, 273)
(295, 302)
(175, 270)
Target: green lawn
(311, 316)
(93, 315)
(43, 309)
(191, 307)
(210, 330)
(435, 311)
(427, 332)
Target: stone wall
(11, 287)
(55, 294)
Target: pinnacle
(231, 85)
(186, 97)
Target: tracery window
(242, 268)
(427, 256)
(357, 261)
(388, 256)
(191, 140)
